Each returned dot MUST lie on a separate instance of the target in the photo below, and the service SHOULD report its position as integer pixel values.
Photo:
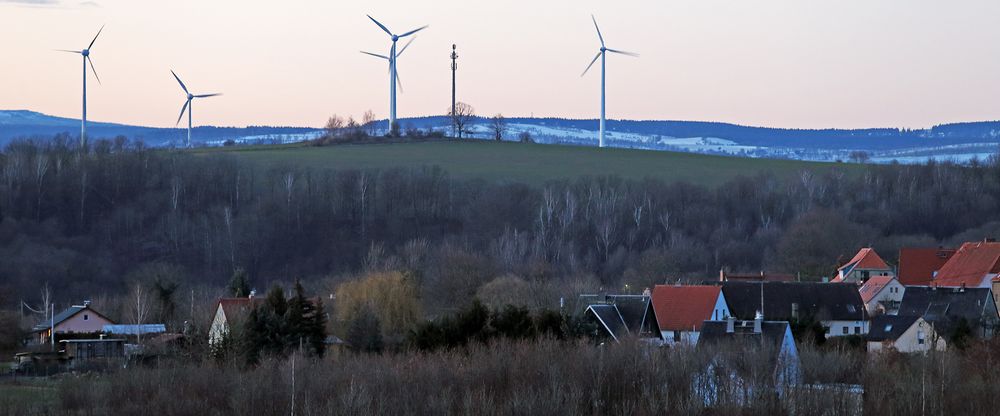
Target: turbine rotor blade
(95, 37)
(94, 70)
(385, 29)
(375, 55)
(414, 31)
(67, 50)
(624, 53)
(399, 82)
(598, 30)
(208, 95)
(183, 87)
(406, 46)
(183, 109)
(591, 64)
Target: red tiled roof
(683, 308)
(917, 265)
(235, 308)
(972, 263)
(866, 258)
(873, 286)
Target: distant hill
(957, 142)
(28, 124)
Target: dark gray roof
(945, 306)
(773, 333)
(64, 315)
(819, 301)
(889, 327)
(610, 319)
(635, 310)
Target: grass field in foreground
(529, 163)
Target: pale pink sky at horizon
(781, 63)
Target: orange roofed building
(681, 310)
(919, 266)
(973, 265)
(866, 264)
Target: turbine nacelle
(190, 96)
(85, 52)
(395, 38)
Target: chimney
(962, 289)
(730, 324)
(253, 292)
(647, 293)
(722, 275)
(758, 321)
(86, 303)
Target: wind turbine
(188, 105)
(399, 83)
(392, 68)
(603, 56)
(86, 59)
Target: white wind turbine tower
(392, 68)
(603, 56)
(188, 106)
(86, 59)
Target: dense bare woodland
(102, 219)
(121, 221)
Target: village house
(837, 306)
(866, 264)
(882, 295)
(905, 334)
(77, 319)
(919, 266)
(682, 310)
(974, 265)
(949, 309)
(623, 315)
(229, 314)
(727, 378)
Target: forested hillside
(90, 222)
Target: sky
(781, 63)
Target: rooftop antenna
(603, 56)
(85, 53)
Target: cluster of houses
(934, 296)
(80, 336)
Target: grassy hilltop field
(529, 163)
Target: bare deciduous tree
(499, 125)
(461, 116)
(333, 125)
(140, 307)
(368, 122)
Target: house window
(677, 336)
(846, 330)
(86, 317)
(864, 274)
(857, 330)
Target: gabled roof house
(623, 315)
(837, 306)
(79, 319)
(948, 307)
(882, 295)
(905, 334)
(919, 266)
(864, 265)
(229, 313)
(681, 310)
(973, 265)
